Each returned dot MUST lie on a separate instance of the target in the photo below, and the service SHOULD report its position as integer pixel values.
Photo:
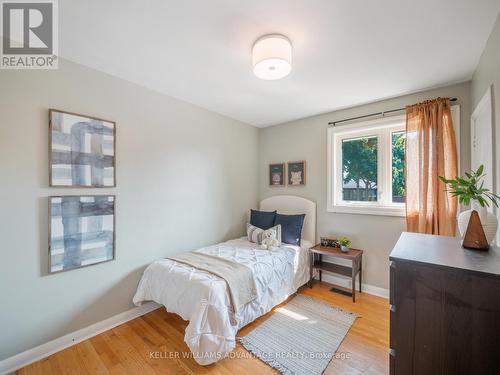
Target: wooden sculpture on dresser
(477, 226)
(474, 237)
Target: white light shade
(272, 57)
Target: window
(367, 167)
(398, 166)
(359, 169)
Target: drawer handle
(393, 308)
(392, 352)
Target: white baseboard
(39, 352)
(346, 283)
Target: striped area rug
(301, 337)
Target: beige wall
(488, 73)
(306, 139)
(185, 178)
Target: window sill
(367, 210)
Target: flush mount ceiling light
(272, 57)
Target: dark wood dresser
(445, 307)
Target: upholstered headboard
(293, 205)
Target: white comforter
(203, 298)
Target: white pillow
(256, 234)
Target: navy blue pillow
(262, 219)
(291, 228)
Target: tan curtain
(430, 152)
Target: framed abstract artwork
(81, 150)
(81, 231)
(277, 174)
(296, 173)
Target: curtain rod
(333, 123)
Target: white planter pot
(488, 221)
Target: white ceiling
(346, 52)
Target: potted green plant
(470, 190)
(344, 243)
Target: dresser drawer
(392, 321)
(392, 362)
(392, 285)
(392, 325)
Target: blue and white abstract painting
(81, 231)
(82, 151)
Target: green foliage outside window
(398, 167)
(360, 172)
(359, 164)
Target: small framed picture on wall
(296, 173)
(277, 174)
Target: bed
(203, 298)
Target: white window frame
(383, 128)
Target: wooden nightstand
(354, 255)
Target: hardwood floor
(126, 349)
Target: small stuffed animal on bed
(269, 240)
